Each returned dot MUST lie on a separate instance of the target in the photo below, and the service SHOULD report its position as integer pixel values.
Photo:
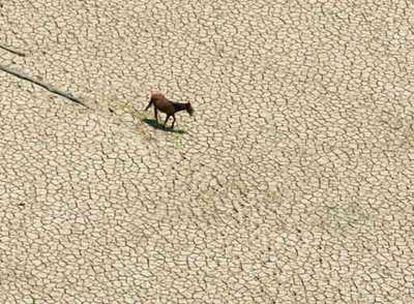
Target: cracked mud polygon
(292, 184)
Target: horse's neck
(179, 106)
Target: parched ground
(292, 184)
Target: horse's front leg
(166, 119)
(172, 126)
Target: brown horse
(168, 107)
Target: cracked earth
(292, 184)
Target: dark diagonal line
(43, 85)
(12, 51)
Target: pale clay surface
(294, 183)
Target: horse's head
(189, 109)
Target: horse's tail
(151, 92)
(149, 105)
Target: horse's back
(162, 103)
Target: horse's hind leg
(156, 114)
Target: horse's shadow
(156, 125)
